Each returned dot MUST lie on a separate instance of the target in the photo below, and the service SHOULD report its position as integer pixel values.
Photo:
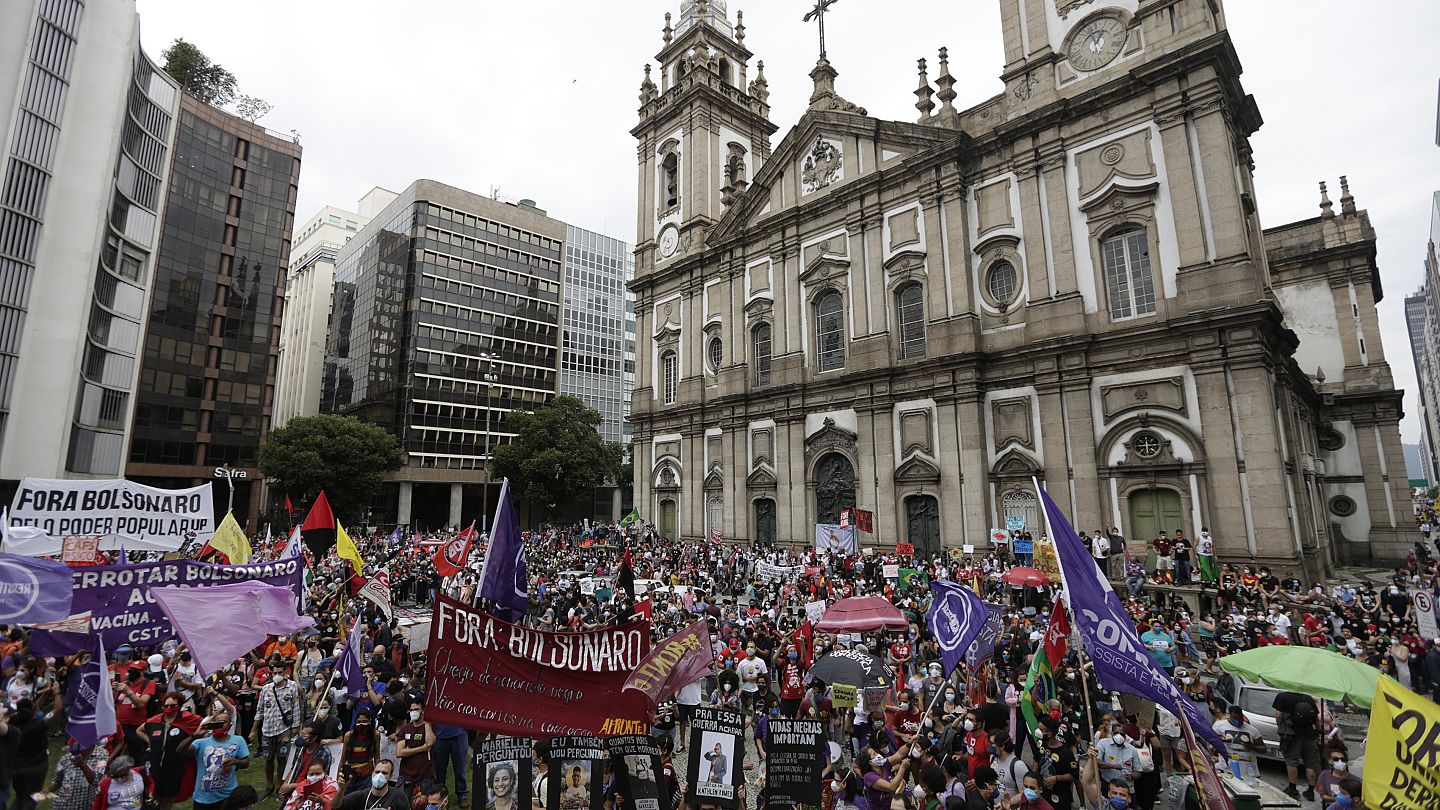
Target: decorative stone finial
(647, 87)
(923, 92)
(825, 97)
(1326, 207)
(759, 88)
(945, 82)
(667, 32)
(1347, 202)
(739, 26)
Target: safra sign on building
(119, 512)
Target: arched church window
(717, 353)
(911, 303)
(670, 172)
(830, 331)
(725, 71)
(760, 350)
(670, 367)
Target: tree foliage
(557, 456)
(252, 109)
(200, 77)
(342, 455)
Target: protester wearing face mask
(413, 742)
(905, 715)
(125, 786)
(360, 753)
(976, 745)
(218, 754)
(308, 750)
(1031, 795)
(727, 691)
(315, 791)
(167, 733)
(791, 677)
(985, 791)
(133, 693)
(279, 710)
(1328, 785)
(376, 791)
(1100, 792)
(1119, 761)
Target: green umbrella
(1312, 670)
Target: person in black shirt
(1269, 586)
(1369, 601)
(1297, 720)
(30, 759)
(1181, 548)
(1058, 769)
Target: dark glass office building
(446, 317)
(207, 374)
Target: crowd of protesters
(960, 741)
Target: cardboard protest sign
(794, 758)
(717, 757)
(576, 774)
(635, 761)
(500, 773)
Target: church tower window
(725, 74)
(717, 353)
(670, 173)
(1000, 282)
(1128, 281)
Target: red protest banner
(494, 676)
(905, 549)
(865, 520)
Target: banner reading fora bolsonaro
(490, 675)
(119, 512)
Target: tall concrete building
(1422, 316)
(597, 363)
(207, 376)
(446, 316)
(308, 290)
(86, 126)
(598, 309)
(1067, 282)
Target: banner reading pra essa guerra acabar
(116, 509)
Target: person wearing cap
(155, 671)
(133, 693)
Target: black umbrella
(853, 668)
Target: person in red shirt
(976, 744)
(734, 652)
(792, 683)
(905, 719)
(133, 693)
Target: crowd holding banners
(350, 695)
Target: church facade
(1068, 283)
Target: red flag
(1057, 635)
(643, 611)
(318, 530)
(804, 640)
(209, 553)
(1207, 783)
(450, 557)
(289, 508)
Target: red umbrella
(861, 613)
(1020, 575)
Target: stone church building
(1069, 282)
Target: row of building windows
(544, 243)
(1129, 284)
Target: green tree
(200, 77)
(342, 455)
(557, 455)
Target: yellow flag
(1400, 765)
(231, 541)
(345, 548)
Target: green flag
(910, 577)
(1039, 683)
(630, 519)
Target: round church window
(1342, 505)
(1001, 282)
(1332, 440)
(1146, 444)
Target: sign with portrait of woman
(501, 773)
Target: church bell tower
(704, 131)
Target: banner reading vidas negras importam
(490, 675)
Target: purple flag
(349, 666)
(396, 538)
(90, 701)
(678, 660)
(956, 617)
(1121, 662)
(220, 623)
(502, 578)
(33, 591)
(984, 647)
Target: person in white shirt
(1242, 740)
(1100, 547)
(750, 669)
(1278, 618)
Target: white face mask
(877, 760)
(319, 683)
(414, 715)
(1187, 681)
(918, 792)
(1118, 738)
(914, 752)
(836, 786)
(969, 725)
(1338, 766)
(313, 778)
(904, 706)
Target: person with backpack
(1297, 719)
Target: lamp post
(230, 479)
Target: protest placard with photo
(635, 761)
(576, 774)
(501, 773)
(717, 757)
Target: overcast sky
(537, 97)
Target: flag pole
(1065, 596)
